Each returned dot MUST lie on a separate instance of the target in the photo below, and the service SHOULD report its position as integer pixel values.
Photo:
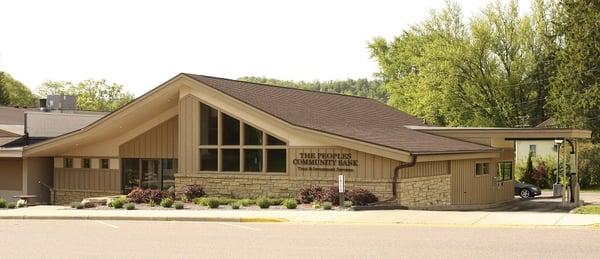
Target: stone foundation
(414, 192)
(422, 192)
(62, 197)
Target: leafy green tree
(490, 71)
(357, 87)
(16, 94)
(93, 95)
(574, 95)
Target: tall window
(230, 145)
(68, 163)
(504, 171)
(104, 163)
(533, 150)
(86, 163)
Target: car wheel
(525, 194)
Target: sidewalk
(410, 217)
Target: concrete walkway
(411, 217)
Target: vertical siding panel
(385, 168)
(377, 165)
(369, 166)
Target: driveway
(546, 203)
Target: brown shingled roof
(352, 117)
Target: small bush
(235, 205)
(225, 200)
(212, 202)
(2, 203)
(138, 195)
(360, 196)
(183, 199)
(290, 204)
(11, 205)
(157, 195)
(276, 201)
(178, 205)
(200, 201)
(118, 203)
(347, 204)
(193, 191)
(74, 204)
(166, 203)
(152, 203)
(79, 206)
(247, 202)
(169, 193)
(310, 194)
(316, 205)
(130, 206)
(263, 203)
(327, 205)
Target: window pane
(230, 130)
(104, 163)
(86, 163)
(169, 168)
(273, 141)
(231, 160)
(150, 174)
(276, 160)
(252, 160)
(68, 162)
(208, 159)
(252, 136)
(481, 168)
(131, 174)
(208, 125)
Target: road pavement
(169, 239)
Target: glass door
(151, 174)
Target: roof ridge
(280, 86)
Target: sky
(142, 44)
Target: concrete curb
(139, 218)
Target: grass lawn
(588, 209)
(593, 189)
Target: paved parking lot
(546, 203)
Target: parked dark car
(526, 190)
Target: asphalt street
(140, 239)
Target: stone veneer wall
(62, 197)
(413, 192)
(426, 191)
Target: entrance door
(151, 174)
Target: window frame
(68, 162)
(499, 168)
(102, 160)
(533, 150)
(86, 163)
(264, 146)
(486, 166)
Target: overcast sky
(143, 43)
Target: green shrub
(11, 205)
(200, 201)
(179, 205)
(327, 205)
(2, 203)
(212, 202)
(130, 206)
(225, 200)
(74, 204)
(276, 201)
(263, 203)
(290, 203)
(247, 202)
(79, 206)
(152, 204)
(347, 204)
(193, 191)
(183, 199)
(360, 196)
(316, 205)
(235, 205)
(118, 202)
(166, 203)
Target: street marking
(239, 226)
(106, 224)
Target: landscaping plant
(276, 201)
(118, 202)
(263, 203)
(347, 204)
(152, 204)
(360, 196)
(130, 206)
(327, 205)
(310, 194)
(235, 205)
(200, 201)
(179, 205)
(166, 203)
(212, 202)
(290, 203)
(246, 202)
(2, 203)
(193, 191)
(74, 204)
(11, 205)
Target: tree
(357, 87)
(489, 72)
(93, 95)
(16, 93)
(574, 95)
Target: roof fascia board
(512, 133)
(16, 152)
(445, 157)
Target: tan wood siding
(189, 132)
(426, 169)
(468, 188)
(11, 174)
(87, 179)
(158, 142)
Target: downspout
(397, 173)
